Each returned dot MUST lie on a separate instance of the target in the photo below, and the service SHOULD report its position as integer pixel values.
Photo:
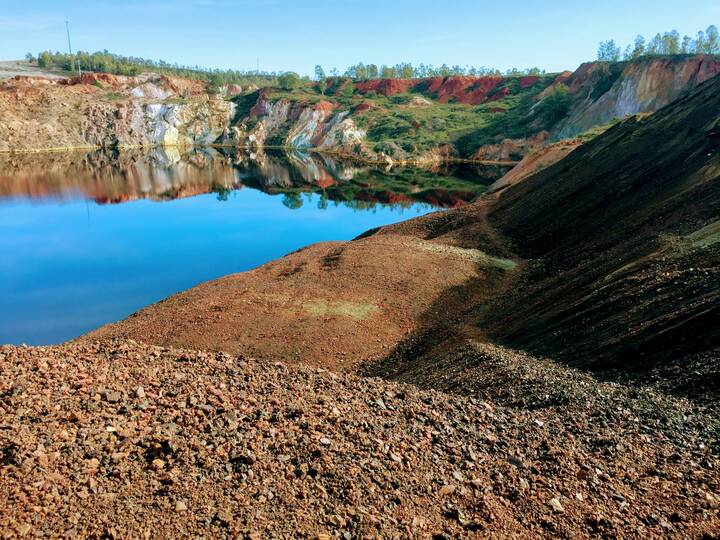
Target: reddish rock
(501, 93)
(386, 87)
(527, 82)
(324, 106)
(97, 78)
(363, 107)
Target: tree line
(406, 70)
(106, 62)
(666, 44)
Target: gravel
(224, 446)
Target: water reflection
(69, 266)
(109, 177)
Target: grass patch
(355, 310)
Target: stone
(447, 489)
(556, 506)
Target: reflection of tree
(292, 201)
(323, 202)
(222, 192)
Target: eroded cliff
(419, 121)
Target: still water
(89, 238)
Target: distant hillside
(419, 121)
(490, 117)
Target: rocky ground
(603, 267)
(118, 439)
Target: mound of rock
(118, 439)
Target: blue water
(89, 238)
(68, 267)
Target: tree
(687, 45)
(289, 80)
(44, 59)
(638, 47)
(608, 51)
(670, 43)
(319, 73)
(29, 57)
(712, 40)
(322, 85)
(555, 106)
(388, 72)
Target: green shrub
(289, 80)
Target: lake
(89, 238)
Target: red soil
(324, 106)
(501, 93)
(363, 107)
(528, 81)
(386, 87)
(469, 90)
(92, 78)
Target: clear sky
(297, 34)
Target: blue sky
(296, 35)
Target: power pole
(67, 27)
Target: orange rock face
(469, 90)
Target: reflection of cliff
(111, 177)
(165, 174)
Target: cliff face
(420, 121)
(300, 126)
(603, 92)
(105, 110)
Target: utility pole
(67, 27)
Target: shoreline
(420, 163)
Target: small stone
(447, 489)
(524, 485)
(180, 506)
(556, 506)
(140, 392)
(514, 460)
(113, 397)
(93, 464)
(24, 529)
(325, 441)
(158, 464)
(223, 517)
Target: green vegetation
(289, 81)
(398, 127)
(406, 70)
(371, 187)
(106, 62)
(666, 44)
